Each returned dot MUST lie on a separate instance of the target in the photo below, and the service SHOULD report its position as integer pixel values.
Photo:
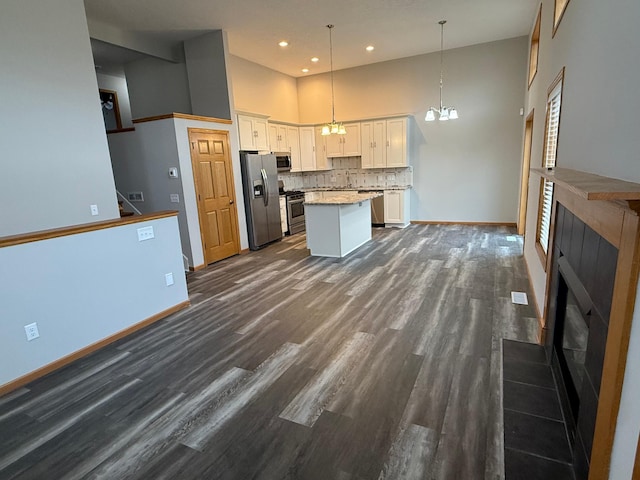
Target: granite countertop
(343, 199)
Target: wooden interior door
(524, 183)
(213, 177)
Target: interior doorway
(524, 185)
(215, 192)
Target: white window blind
(549, 160)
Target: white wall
(598, 133)
(119, 85)
(258, 89)
(464, 170)
(55, 157)
(91, 286)
(157, 87)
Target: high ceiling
(396, 28)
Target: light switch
(168, 278)
(175, 198)
(94, 210)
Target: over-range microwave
(283, 161)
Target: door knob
(230, 202)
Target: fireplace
(595, 230)
(583, 270)
(570, 341)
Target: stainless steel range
(295, 212)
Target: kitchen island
(337, 223)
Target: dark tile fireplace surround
(583, 272)
(562, 399)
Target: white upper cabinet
(374, 144)
(397, 142)
(321, 161)
(253, 133)
(278, 137)
(307, 151)
(293, 140)
(344, 145)
(384, 143)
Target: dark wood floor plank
(385, 364)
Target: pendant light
(333, 127)
(444, 113)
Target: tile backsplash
(348, 173)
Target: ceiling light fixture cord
(333, 101)
(441, 22)
(444, 113)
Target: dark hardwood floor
(386, 364)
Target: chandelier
(444, 113)
(333, 127)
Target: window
(534, 48)
(551, 130)
(560, 7)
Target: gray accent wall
(157, 87)
(207, 73)
(55, 156)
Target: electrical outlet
(94, 210)
(168, 278)
(32, 331)
(145, 233)
(174, 197)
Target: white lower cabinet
(283, 214)
(396, 208)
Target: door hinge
(193, 144)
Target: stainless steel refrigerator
(261, 200)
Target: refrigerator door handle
(265, 187)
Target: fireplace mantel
(611, 208)
(590, 186)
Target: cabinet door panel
(307, 151)
(261, 126)
(351, 141)
(333, 144)
(321, 162)
(397, 142)
(393, 206)
(366, 147)
(245, 131)
(380, 144)
(293, 145)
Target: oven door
(295, 214)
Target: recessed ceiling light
(283, 43)
(315, 59)
(305, 70)
(369, 48)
